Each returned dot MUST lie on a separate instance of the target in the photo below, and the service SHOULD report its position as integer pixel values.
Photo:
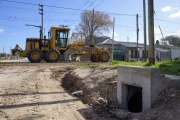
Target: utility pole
(42, 13)
(127, 41)
(92, 24)
(137, 26)
(151, 31)
(144, 17)
(3, 51)
(113, 40)
(10, 50)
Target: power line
(164, 20)
(99, 4)
(10, 7)
(81, 9)
(18, 8)
(38, 4)
(63, 7)
(50, 11)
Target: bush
(176, 59)
(114, 62)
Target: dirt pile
(98, 89)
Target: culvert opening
(134, 99)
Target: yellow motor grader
(37, 49)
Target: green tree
(101, 23)
(173, 40)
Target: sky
(14, 14)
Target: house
(175, 52)
(128, 51)
(161, 52)
(119, 49)
(131, 53)
(4, 55)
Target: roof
(162, 49)
(131, 44)
(108, 42)
(106, 37)
(174, 47)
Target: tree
(101, 23)
(173, 40)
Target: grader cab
(57, 43)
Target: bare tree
(101, 23)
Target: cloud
(175, 15)
(166, 9)
(1, 30)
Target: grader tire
(35, 55)
(94, 58)
(52, 56)
(104, 56)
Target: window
(61, 38)
(133, 53)
(49, 35)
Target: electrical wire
(38, 4)
(79, 12)
(99, 3)
(51, 10)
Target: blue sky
(14, 14)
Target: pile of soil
(97, 87)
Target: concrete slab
(146, 82)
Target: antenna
(63, 26)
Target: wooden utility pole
(144, 17)
(3, 51)
(137, 26)
(92, 24)
(113, 39)
(42, 13)
(151, 31)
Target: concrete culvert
(135, 103)
(134, 99)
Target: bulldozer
(50, 49)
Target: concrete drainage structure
(138, 87)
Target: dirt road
(32, 91)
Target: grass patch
(3, 59)
(171, 67)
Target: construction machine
(37, 49)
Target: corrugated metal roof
(107, 42)
(131, 44)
